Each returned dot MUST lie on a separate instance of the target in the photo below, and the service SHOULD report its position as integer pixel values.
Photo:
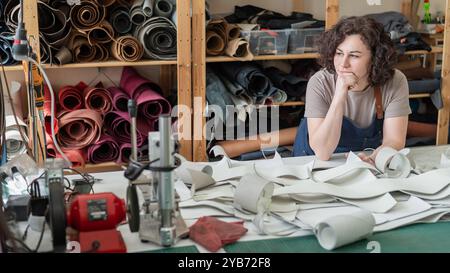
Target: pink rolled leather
(79, 128)
(119, 98)
(77, 157)
(105, 149)
(97, 98)
(71, 97)
(146, 93)
(118, 124)
(134, 84)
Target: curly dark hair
(374, 37)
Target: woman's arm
(394, 136)
(324, 133)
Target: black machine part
(57, 209)
(133, 208)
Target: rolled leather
(98, 99)
(77, 157)
(136, 13)
(105, 149)
(79, 128)
(158, 35)
(71, 97)
(102, 33)
(127, 49)
(125, 153)
(117, 124)
(163, 8)
(87, 15)
(134, 84)
(120, 20)
(119, 98)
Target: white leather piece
(404, 209)
(299, 172)
(228, 209)
(183, 192)
(344, 229)
(393, 163)
(253, 194)
(427, 183)
(380, 204)
(313, 198)
(223, 192)
(438, 196)
(331, 174)
(280, 204)
(435, 215)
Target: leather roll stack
(98, 99)
(104, 150)
(71, 97)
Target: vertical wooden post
(199, 76)
(443, 116)
(184, 70)
(30, 18)
(331, 13)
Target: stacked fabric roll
(97, 30)
(94, 124)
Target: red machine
(95, 217)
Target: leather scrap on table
(213, 234)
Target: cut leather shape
(436, 181)
(119, 98)
(105, 149)
(127, 49)
(118, 124)
(393, 163)
(79, 128)
(158, 35)
(163, 8)
(239, 48)
(344, 229)
(98, 99)
(87, 15)
(213, 234)
(71, 97)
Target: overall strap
(378, 102)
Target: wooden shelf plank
(434, 49)
(264, 57)
(98, 64)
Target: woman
(358, 100)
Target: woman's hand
(366, 158)
(344, 83)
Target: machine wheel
(57, 216)
(132, 208)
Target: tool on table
(96, 217)
(159, 218)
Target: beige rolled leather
(127, 49)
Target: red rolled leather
(71, 97)
(104, 150)
(79, 128)
(97, 98)
(118, 124)
(119, 98)
(77, 157)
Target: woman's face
(352, 56)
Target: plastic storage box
(267, 42)
(304, 40)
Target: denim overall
(353, 138)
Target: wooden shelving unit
(331, 17)
(182, 65)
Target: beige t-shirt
(360, 106)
